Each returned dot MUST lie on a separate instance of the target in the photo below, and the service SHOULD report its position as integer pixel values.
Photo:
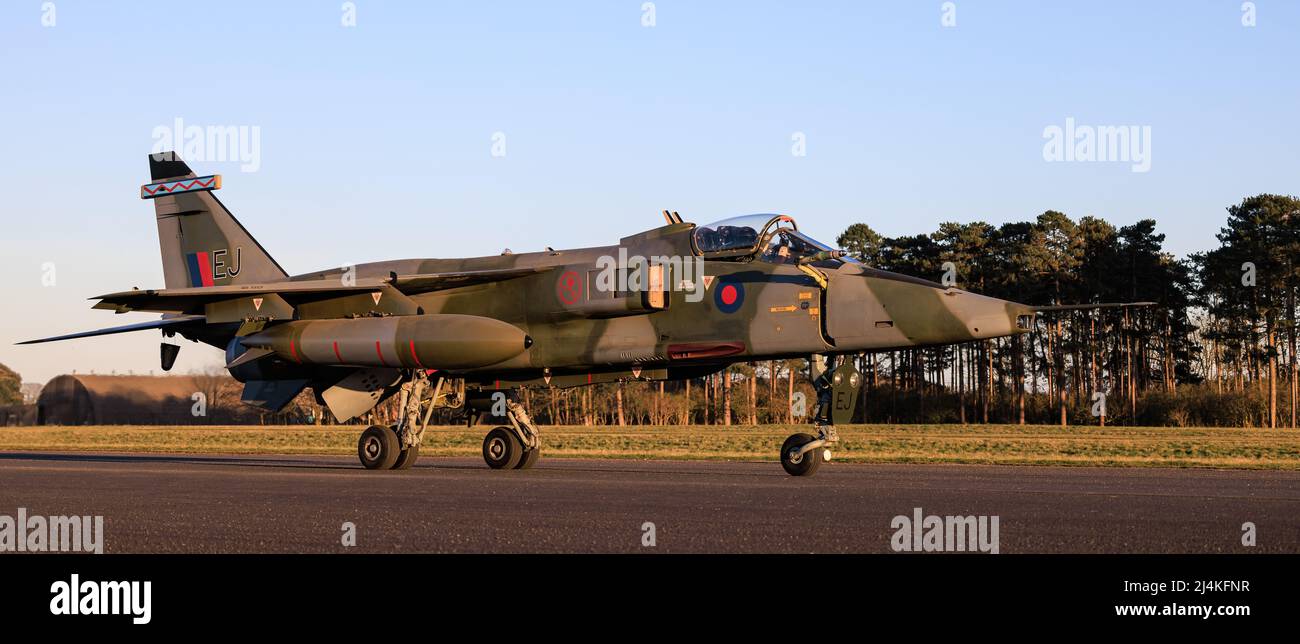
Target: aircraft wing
(424, 282)
(193, 300)
(139, 326)
(1084, 307)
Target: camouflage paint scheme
(861, 309)
(222, 287)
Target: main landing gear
(837, 396)
(378, 448)
(384, 447)
(510, 447)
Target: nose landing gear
(837, 397)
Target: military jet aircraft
(677, 301)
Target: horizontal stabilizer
(139, 326)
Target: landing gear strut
(383, 447)
(837, 389)
(515, 446)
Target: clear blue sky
(376, 139)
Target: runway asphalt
(269, 504)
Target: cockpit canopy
(737, 235)
(771, 238)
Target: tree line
(1217, 348)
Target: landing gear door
(845, 381)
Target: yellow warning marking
(782, 309)
(814, 273)
(805, 296)
(814, 311)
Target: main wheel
(406, 458)
(502, 449)
(529, 458)
(378, 448)
(805, 465)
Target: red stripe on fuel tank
(415, 357)
(336, 352)
(293, 351)
(381, 354)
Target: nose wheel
(801, 454)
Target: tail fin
(202, 243)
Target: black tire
(502, 449)
(807, 465)
(406, 458)
(529, 458)
(378, 448)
